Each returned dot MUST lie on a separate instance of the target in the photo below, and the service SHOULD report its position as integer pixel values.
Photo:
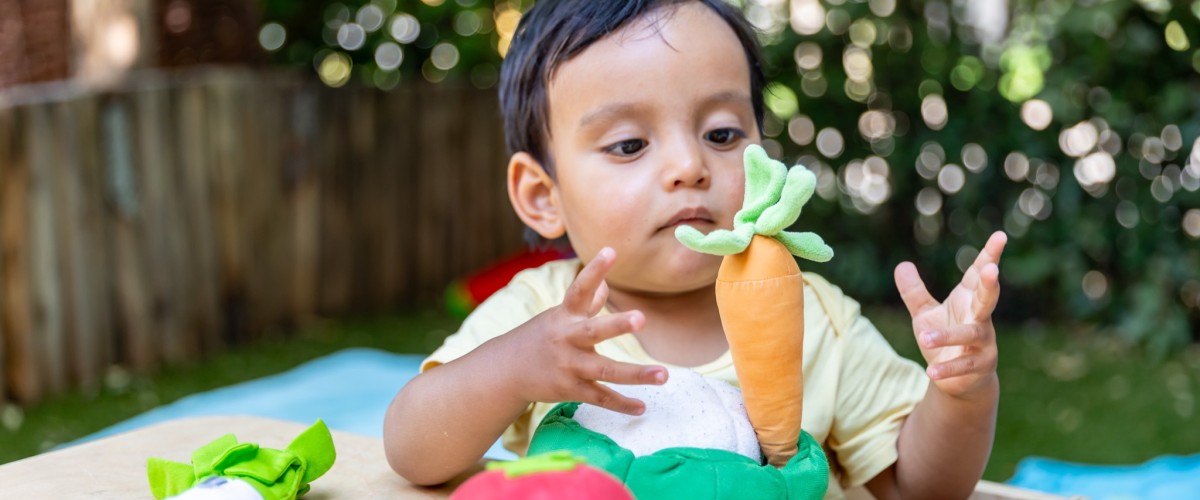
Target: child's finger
(598, 395)
(596, 330)
(991, 251)
(583, 290)
(960, 335)
(990, 255)
(963, 365)
(912, 290)
(987, 293)
(599, 299)
(601, 369)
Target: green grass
(1073, 394)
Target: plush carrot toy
(760, 296)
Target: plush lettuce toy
(227, 469)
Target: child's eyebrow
(728, 96)
(606, 113)
(611, 111)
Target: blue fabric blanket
(349, 389)
(1163, 477)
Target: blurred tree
(1072, 125)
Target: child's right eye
(628, 147)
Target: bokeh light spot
(781, 100)
(1037, 114)
(801, 130)
(934, 111)
(830, 143)
(389, 55)
(1191, 223)
(951, 179)
(404, 28)
(1095, 285)
(1177, 39)
(272, 36)
(1016, 166)
(334, 69)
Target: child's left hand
(956, 336)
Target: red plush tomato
(557, 475)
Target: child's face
(647, 128)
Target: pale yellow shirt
(857, 390)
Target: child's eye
(628, 147)
(724, 136)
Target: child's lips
(689, 222)
(695, 216)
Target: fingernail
(933, 372)
(660, 377)
(928, 338)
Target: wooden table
(115, 467)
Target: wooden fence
(182, 213)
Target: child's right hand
(555, 354)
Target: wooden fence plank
(154, 168)
(264, 219)
(228, 166)
(6, 150)
(336, 283)
(304, 201)
(364, 199)
(7, 132)
(45, 152)
(24, 373)
(96, 285)
(438, 145)
(79, 312)
(202, 276)
(396, 164)
(139, 345)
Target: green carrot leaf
(764, 183)
(806, 246)
(719, 242)
(797, 190)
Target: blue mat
(349, 389)
(1163, 477)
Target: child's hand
(956, 336)
(558, 360)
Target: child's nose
(685, 168)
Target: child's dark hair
(554, 31)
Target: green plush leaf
(168, 478)
(315, 446)
(719, 242)
(806, 246)
(764, 183)
(797, 190)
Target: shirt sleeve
(877, 390)
(505, 310)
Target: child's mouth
(694, 216)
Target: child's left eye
(724, 136)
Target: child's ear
(531, 191)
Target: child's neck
(681, 329)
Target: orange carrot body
(760, 296)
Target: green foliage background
(1121, 77)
